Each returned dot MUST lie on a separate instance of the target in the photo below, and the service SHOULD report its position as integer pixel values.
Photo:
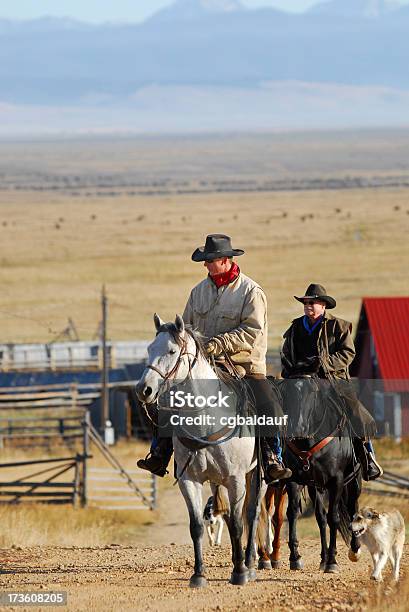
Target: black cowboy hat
(317, 292)
(217, 245)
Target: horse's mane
(198, 338)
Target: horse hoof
(252, 575)
(354, 556)
(331, 568)
(377, 578)
(239, 579)
(197, 582)
(275, 563)
(298, 564)
(264, 564)
(322, 566)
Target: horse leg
(253, 510)
(278, 519)
(237, 492)
(335, 491)
(264, 549)
(321, 518)
(293, 490)
(192, 492)
(265, 544)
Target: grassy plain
(129, 213)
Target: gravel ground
(156, 578)
(153, 573)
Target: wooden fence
(396, 486)
(45, 485)
(133, 489)
(56, 418)
(69, 355)
(108, 490)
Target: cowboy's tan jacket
(236, 315)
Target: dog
(213, 522)
(383, 533)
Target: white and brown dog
(213, 522)
(383, 533)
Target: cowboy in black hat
(321, 345)
(230, 311)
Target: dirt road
(153, 574)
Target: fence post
(85, 453)
(77, 480)
(74, 395)
(397, 417)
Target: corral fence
(131, 489)
(109, 490)
(45, 485)
(49, 416)
(69, 355)
(58, 419)
(396, 486)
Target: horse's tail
(221, 503)
(344, 521)
(344, 514)
(262, 526)
(263, 522)
(348, 504)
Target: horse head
(170, 355)
(301, 403)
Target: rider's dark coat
(335, 352)
(336, 349)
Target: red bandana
(225, 278)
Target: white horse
(229, 465)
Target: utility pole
(105, 371)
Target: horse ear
(158, 322)
(180, 326)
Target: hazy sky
(116, 10)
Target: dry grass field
(75, 215)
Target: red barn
(382, 361)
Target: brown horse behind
(273, 509)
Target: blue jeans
(276, 446)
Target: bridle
(172, 373)
(306, 455)
(324, 416)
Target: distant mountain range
(368, 9)
(204, 44)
